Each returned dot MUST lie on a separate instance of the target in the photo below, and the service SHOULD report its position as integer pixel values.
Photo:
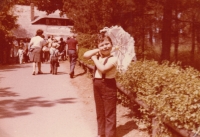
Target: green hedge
(173, 92)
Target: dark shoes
(71, 75)
(37, 73)
(40, 72)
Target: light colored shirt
(55, 44)
(50, 41)
(20, 52)
(111, 73)
(37, 42)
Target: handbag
(45, 48)
(31, 49)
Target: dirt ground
(126, 126)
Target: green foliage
(86, 15)
(81, 51)
(7, 19)
(87, 40)
(141, 18)
(168, 89)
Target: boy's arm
(90, 53)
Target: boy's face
(105, 47)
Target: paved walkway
(40, 106)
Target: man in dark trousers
(62, 49)
(72, 50)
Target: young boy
(104, 86)
(54, 55)
(20, 54)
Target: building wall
(29, 30)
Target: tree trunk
(193, 42)
(176, 37)
(166, 31)
(150, 36)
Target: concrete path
(40, 106)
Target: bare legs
(37, 64)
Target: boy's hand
(94, 57)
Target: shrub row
(169, 90)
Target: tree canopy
(168, 21)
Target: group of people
(52, 50)
(104, 84)
(60, 45)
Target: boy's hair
(102, 37)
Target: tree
(166, 30)
(7, 23)
(163, 20)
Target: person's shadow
(80, 74)
(122, 130)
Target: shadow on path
(80, 74)
(5, 93)
(13, 108)
(13, 67)
(19, 107)
(122, 130)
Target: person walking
(54, 56)
(72, 50)
(45, 51)
(20, 54)
(26, 57)
(104, 86)
(61, 48)
(35, 47)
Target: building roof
(38, 19)
(27, 28)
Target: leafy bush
(80, 56)
(171, 91)
(87, 40)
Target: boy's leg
(19, 60)
(55, 67)
(52, 67)
(100, 110)
(110, 113)
(110, 101)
